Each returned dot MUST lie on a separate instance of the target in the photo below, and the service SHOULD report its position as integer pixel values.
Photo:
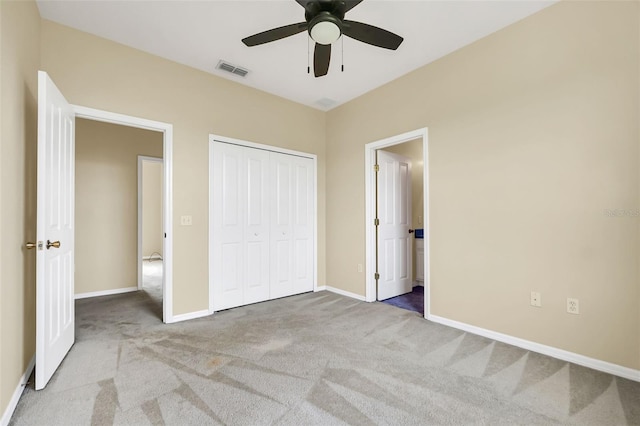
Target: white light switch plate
(186, 221)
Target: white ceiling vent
(233, 69)
(326, 103)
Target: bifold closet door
(240, 225)
(292, 208)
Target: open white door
(55, 313)
(395, 240)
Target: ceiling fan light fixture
(325, 29)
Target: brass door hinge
(376, 222)
(376, 167)
(376, 276)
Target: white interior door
(302, 224)
(395, 241)
(257, 223)
(228, 214)
(282, 283)
(241, 195)
(55, 313)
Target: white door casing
(395, 242)
(55, 313)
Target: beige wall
(151, 208)
(98, 73)
(413, 150)
(19, 61)
(106, 214)
(533, 133)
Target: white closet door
(263, 207)
(303, 206)
(281, 226)
(241, 226)
(228, 226)
(256, 233)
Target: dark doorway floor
(413, 301)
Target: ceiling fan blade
(350, 4)
(275, 34)
(321, 59)
(371, 35)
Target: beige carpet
(312, 359)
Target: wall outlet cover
(573, 306)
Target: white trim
(320, 288)
(17, 393)
(217, 138)
(585, 361)
(369, 161)
(105, 292)
(142, 159)
(315, 224)
(167, 199)
(191, 315)
(240, 142)
(345, 293)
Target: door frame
(217, 138)
(370, 209)
(141, 160)
(167, 200)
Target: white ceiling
(200, 33)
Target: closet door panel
(256, 229)
(228, 213)
(281, 229)
(303, 204)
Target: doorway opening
(150, 233)
(397, 221)
(160, 272)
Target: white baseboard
(322, 288)
(189, 316)
(343, 293)
(17, 393)
(585, 361)
(106, 292)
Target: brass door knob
(30, 246)
(55, 244)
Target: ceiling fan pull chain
(342, 53)
(308, 53)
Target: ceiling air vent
(326, 103)
(226, 66)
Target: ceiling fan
(324, 20)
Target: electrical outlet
(359, 267)
(186, 221)
(573, 306)
(536, 299)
